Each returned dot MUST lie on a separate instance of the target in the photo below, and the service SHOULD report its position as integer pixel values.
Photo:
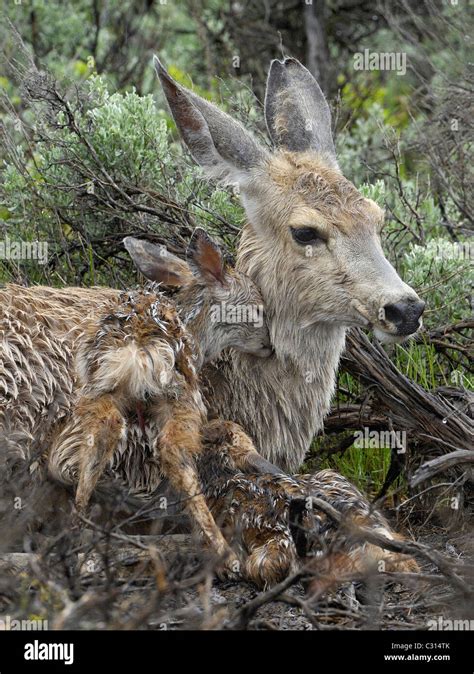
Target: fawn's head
(312, 242)
(220, 306)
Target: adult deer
(312, 246)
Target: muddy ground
(120, 584)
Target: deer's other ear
(157, 264)
(296, 111)
(205, 258)
(218, 143)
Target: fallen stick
(440, 464)
(126, 556)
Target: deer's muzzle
(405, 315)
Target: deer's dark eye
(306, 235)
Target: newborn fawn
(277, 522)
(138, 366)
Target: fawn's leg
(231, 440)
(102, 425)
(265, 494)
(178, 447)
(257, 521)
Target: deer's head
(312, 240)
(221, 307)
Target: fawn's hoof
(230, 568)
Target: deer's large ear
(296, 111)
(205, 257)
(157, 264)
(217, 142)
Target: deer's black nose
(405, 315)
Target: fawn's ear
(205, 257)
(157, 264)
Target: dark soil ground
(121, 585)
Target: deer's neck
(280, 401)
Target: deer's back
(39, 328)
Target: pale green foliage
(444, 272)
(130, 136)
(364, 146)
(99, 182)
